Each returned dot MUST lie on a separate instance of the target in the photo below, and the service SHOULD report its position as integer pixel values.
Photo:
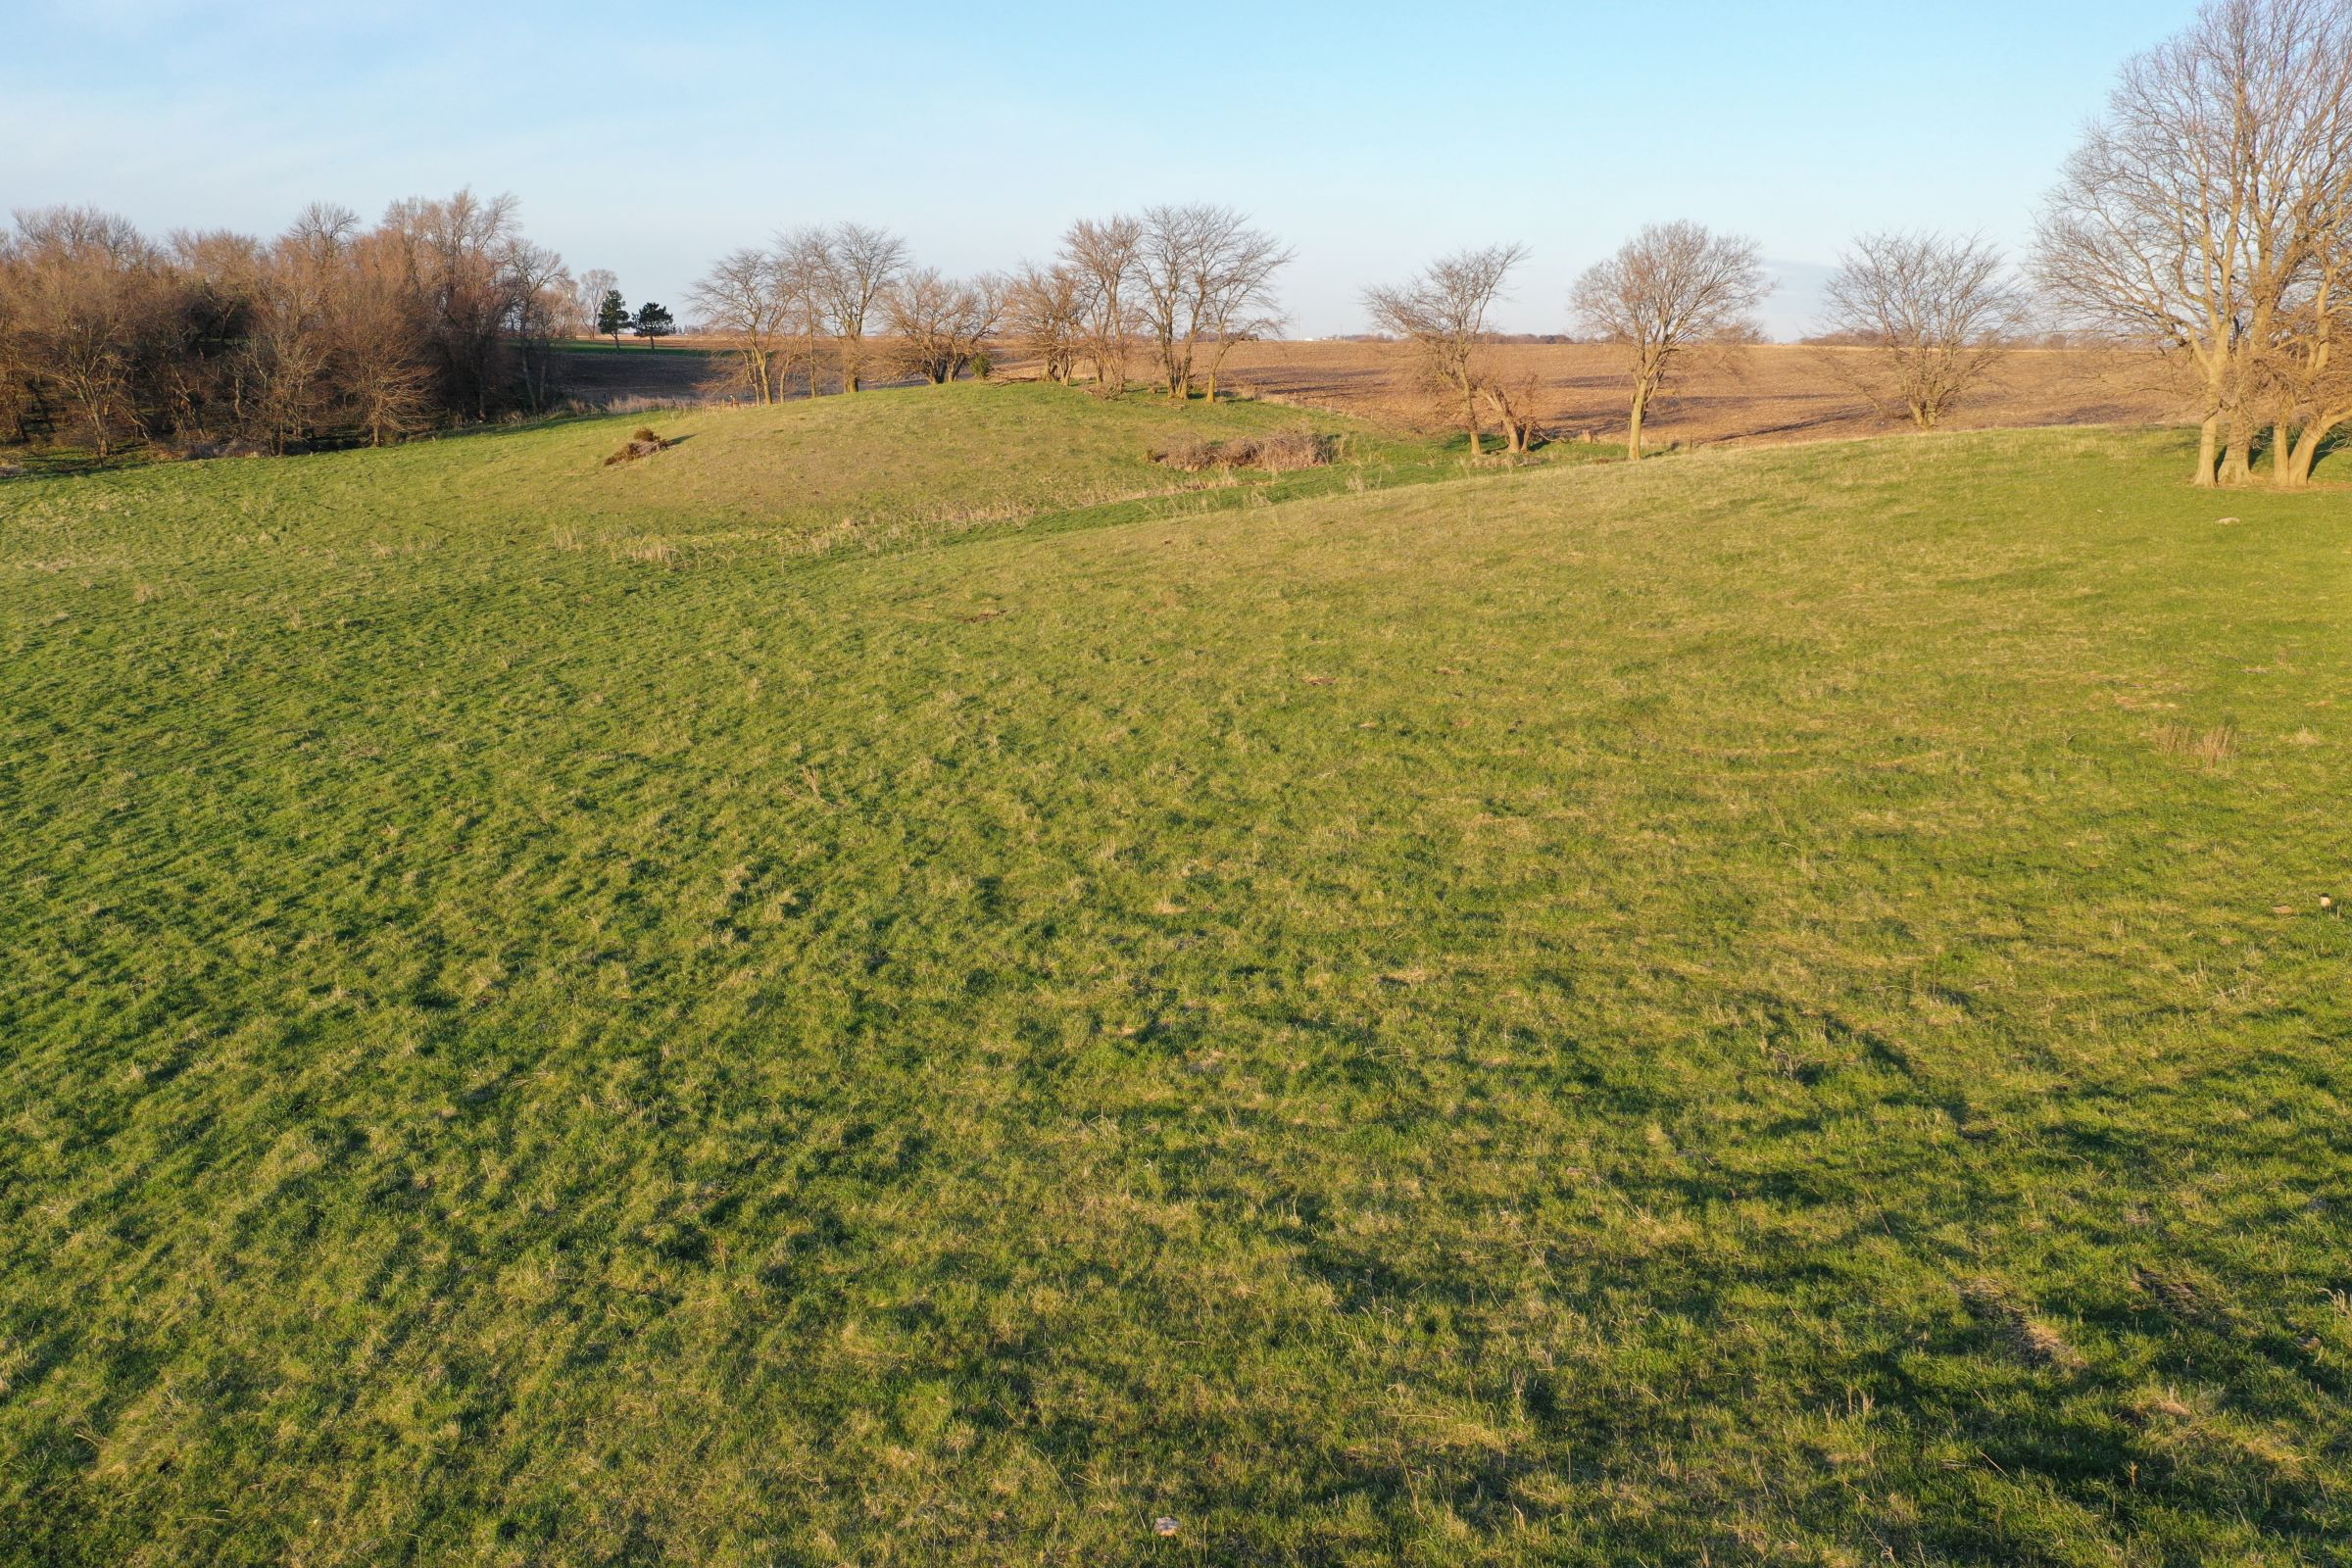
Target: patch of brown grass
(2209, 748)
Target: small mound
(644, 444)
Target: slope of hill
(1772, 1005)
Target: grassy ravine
(1768, 1008)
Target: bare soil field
(1771, 393)
(683, 369)
(1767, 394)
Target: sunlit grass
(887, 986)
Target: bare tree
(1514, 400)
(1442, 313)
(2310, 364)
(1106, 256)
(1201, 271)
(1236, 288)
(87, 316)
(375, 331)
(940, 325)
(1045, 314)
(288, 349)
(803, 265)
(2195, 210)
(1671, 288)
(539, 294)
(1920, 319)
(852, 268)
(744, 298)
(588, 300)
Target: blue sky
(1370, 136)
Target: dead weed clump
(644, 444)
(2208, 748)
(1284, 452)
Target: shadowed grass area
(1579, 1016)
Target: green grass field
(895, 985)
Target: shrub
(1280, 453)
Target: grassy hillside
(1768, 1008)
(877, 470)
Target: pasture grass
(858, 993)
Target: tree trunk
(2209, 450)
(2282, 451)
(2238, 460)
(1470, 419)
(2306, 456)
(1632, 430)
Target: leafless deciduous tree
(1669, 289)
(1919, 319)
(744, 300)
(2198, 213)
(1202, 272)
(1442, 313)
(588, 300)
(850, 270)
(1236, 274)
(1106, 256)
(2310, 368)
(1045, 316)
(1515, 400)
(88, 311)
(940, 325)
(374, 329)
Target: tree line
(2207, 214)
(443, 312)
(1180, 283)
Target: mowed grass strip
(1734, 1007)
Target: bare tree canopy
(1105, 256)
(940, 327)
(1201, 272)
(588, 294)
(850, 267)
(1671, 288)
(2200, 214)
(743, 299)
(1922, 318)
(333, 331)
(1045, 314)
(1442, 313)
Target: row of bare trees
(2210, 212)
(1187, 282)
(442, 312)
(2207, 216)
(1925, 314)
(805, 308)
(1670, 291)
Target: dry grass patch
(1283, 452)
(2209, 748)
